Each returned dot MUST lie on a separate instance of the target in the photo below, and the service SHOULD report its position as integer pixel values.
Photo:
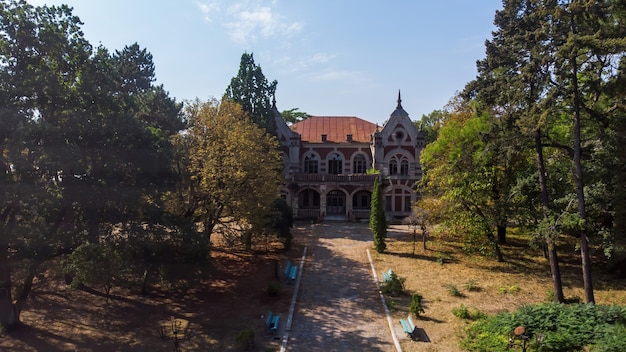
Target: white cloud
(208, 10)
(249, 21)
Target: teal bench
(291, 272)
(271, 323)
(409, 327)
(387, 275)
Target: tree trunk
(549, 241)
(501, 230)
(8, 315)
(580, 195)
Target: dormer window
(349, 137)
(323, 138)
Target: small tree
(378, 224)
(416, 305)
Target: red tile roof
(336, 129)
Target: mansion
(328, 164)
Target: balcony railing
(350, 178)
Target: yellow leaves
(235, 160)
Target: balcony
(328, 178)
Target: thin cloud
(208, 10)
(292, 65)
(338, 75)
(247, 21)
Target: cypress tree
(378, 224)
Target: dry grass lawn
(524, 278)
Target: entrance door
(335, 203)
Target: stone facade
(328, 162)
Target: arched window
(310, 164)
(393, 167)
(404, 167)
(335, 164)
(359, 164)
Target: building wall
(336, 189)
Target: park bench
(409, 327)
(291, 272)
(271, 323)
(387, 275)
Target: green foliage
(245, 339)
(430, 124)
(467, 313)
(454, 291)
(394, 286)
(378, 222)
(251, 90)
(513, 289)
(416, 307)
(461, 312)
(101, 265)
(88, 147)
(564, 327)
(280, 219)
(294, 116)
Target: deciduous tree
(230, 168)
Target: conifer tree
(253, 92)
(378, 224)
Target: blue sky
(330, 58)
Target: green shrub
(416, 305)
(461, 312)
(514, 289)
(564, 327)
(394, 286)
(454, 291)
(245, 339)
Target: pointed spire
(399, 101)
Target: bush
(464, 312)
(514, 289)
(564, 327)
(454, 291)
(416, 305)
(245, 339)
(394, 286)
(472, 286)
(461, 312)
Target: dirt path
(338, 306)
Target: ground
(234, 298)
